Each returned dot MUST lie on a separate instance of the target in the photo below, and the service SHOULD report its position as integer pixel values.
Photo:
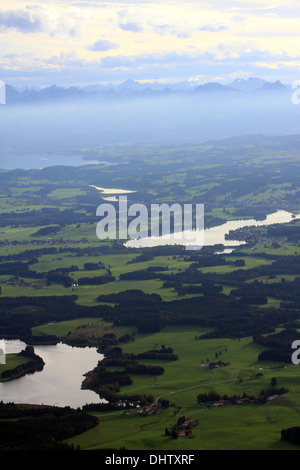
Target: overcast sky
(86, 42)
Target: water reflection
(214, 235)
(59, 383)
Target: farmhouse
(214, 365)
(220, 402)
(186, 433)
(150, 410)
(190, 422)
(243, 401)
(272, 397)
(184, 428)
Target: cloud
(132, 26)
(213, 28)
(28, 62)
(145, 39)
(186, 29)
(25, 21)
(152, 59)
(102, 45)
(165, 22)
(65, 60)
(217, 57)
(133, 19)
(60, 21)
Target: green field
(12, 361)
(253, 428)
(229, 427)
(117, 264)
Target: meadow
(238, 427)
(11, 362)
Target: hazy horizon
(174, 119)
(147, 42)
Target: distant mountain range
(131, 88)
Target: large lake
(212, 236)
(59, 383)
(28, 162)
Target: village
(18, 282)
(48, 241)
(183, 428)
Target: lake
(112, 191)
(211, 236)
(59, 383)
(39, 161)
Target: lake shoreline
(35, 365)
(216, 235)
(58, 382)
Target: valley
(169, 324)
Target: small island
(18, 365)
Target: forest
(39, 428)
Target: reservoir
(59, 383)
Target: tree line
(41, 427)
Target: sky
(78, 43)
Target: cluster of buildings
(241, 401)
(150, 410)
(214, 365)
(45, 241)
(245, 400)
(17, 282)
(185, 428)
(238, 401)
